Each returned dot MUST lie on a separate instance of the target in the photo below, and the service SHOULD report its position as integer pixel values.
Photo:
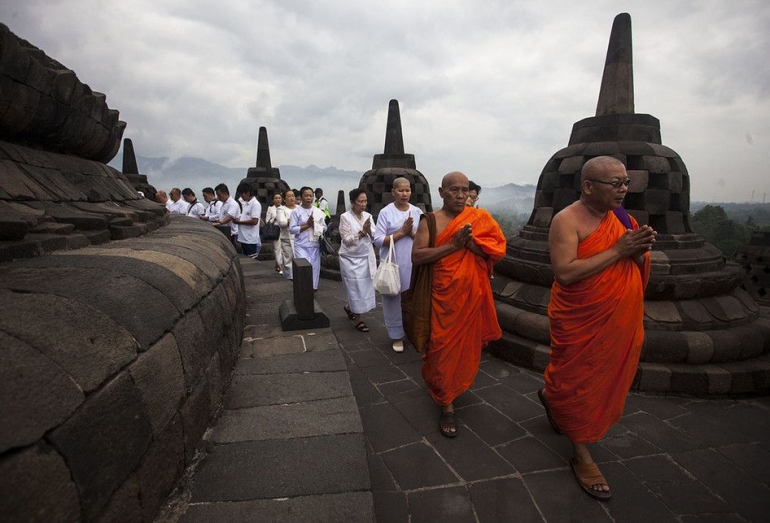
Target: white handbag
(387, 280)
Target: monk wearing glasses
(601, 265)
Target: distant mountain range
(197, 173)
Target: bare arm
(563, 244)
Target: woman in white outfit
(270, 217)
(286, 239)
(398, 220)
(357, 260)
(307, 224)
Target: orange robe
(596, 337)
(463, 316)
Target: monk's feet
(591, 480)
(398, 345)
(447, 423)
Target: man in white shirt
(178, 205)
(194, 207)
(213, 205)
(162, 198)
(248, 222)
(229, 212)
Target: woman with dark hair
(357, 261)
(307, 224)
(286, 240)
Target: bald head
(596, 167)
(400, 181)
(454, 178)
(454, 192)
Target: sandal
(362, 326)
(554, 426)
(351, 314)
(588, 475)
(447, 423)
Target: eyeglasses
(474, 199)
(616, 184)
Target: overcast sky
(491, 88)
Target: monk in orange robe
(601, 266)
(463, 317)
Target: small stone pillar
(302, 312)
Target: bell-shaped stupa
(704, 335)
(391, 164)
(265, 179)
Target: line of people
(601, 264)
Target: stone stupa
(265, 179)
(704, 335)
(391, 164)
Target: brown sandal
(447, 422)
(588, 475)
(362, 326)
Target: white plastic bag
(387, 280)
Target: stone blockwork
(42, 103)
(116, 360)
(755, 261)
(51, 202)
(119, 327)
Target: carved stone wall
(119, 326)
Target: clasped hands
(635, 243)
(463, 236)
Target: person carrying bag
(387, 280)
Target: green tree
(712, 223)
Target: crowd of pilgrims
(302, 216)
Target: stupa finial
(129, 158)
(394, 140)
(263, 150)
(617, 92)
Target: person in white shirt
(248, 222)
(307, 225)
(162, 197)
(195, 208)
(213, 205)
(357, 262)
(178, 205)
(282, 217)
(229, 212)
(270, 217)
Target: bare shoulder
(565, 217)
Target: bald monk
(601, 264)
(463, 317)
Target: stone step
(53, 228)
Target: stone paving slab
(352, 507)
(296, 420)
(282, 468)
(271, 389)
(322, 361)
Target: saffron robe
(597, 333)
(463, 315)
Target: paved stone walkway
(333, 425)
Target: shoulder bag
(387, 280)
(416, 302)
